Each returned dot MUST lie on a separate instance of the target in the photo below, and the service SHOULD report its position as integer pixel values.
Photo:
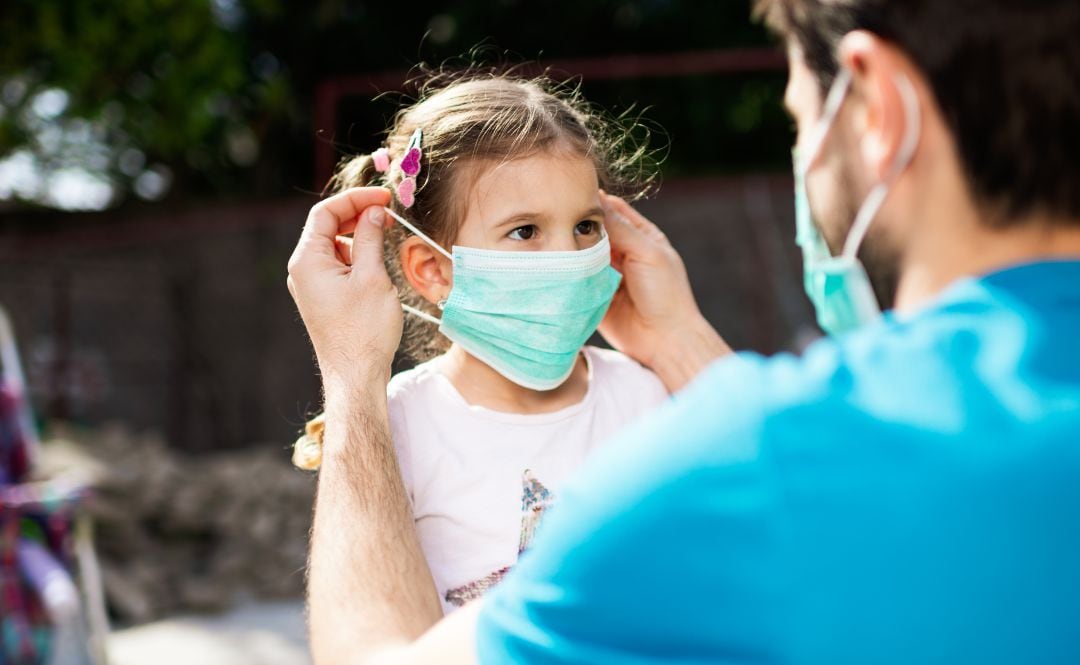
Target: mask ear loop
(876, 198)
(423, 236)
(833, 102)
(419, 234)
(420, 314)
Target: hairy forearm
(686, 352)
(369, 587)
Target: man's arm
(369, 587)
(370, 593)
(371, 599)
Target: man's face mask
(525, 314)
(838, 286)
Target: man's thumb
(367, 246)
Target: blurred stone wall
(179, 533)
(180, 321)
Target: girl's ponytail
(358, 171)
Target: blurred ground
(252, 634)
(181, 534)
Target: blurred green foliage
(170, 82)
(219, 93)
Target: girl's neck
(482, 386)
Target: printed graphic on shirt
(535, 499)
(473, 590)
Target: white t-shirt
(479, 480)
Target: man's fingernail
(377, 217)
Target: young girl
(507, 402)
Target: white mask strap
(876, 198)
(837, 95)
(420, 314)
(419, 234)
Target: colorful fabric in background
(37, 591)
(35, 519)
(14, 443)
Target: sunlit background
(157, 159)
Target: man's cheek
(827, 205)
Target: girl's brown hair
(473, 118)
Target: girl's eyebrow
(519, 217)
(526, 216)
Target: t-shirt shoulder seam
(615, 366)
(402, 382)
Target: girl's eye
(588, 227)
(523, 232)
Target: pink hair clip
(381, 157)
(410, 166)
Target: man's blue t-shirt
(906, 494)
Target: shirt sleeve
(658, 551)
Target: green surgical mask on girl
(525, 314)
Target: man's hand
(654, 317)
(345, 297)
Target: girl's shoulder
(419, 379)
(614, 362)
(617, 372)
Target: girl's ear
(428, 271)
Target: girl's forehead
(545, 183)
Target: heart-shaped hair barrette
(406, 192)
(410, 163)
(410, 166)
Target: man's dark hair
(1006, 75)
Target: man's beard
(877, 253)
(882, 263)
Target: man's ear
(428, 271)
(878, 69)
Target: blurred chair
(51, 602)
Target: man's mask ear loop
(837, 94)
(876, 198)
(436, 246)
